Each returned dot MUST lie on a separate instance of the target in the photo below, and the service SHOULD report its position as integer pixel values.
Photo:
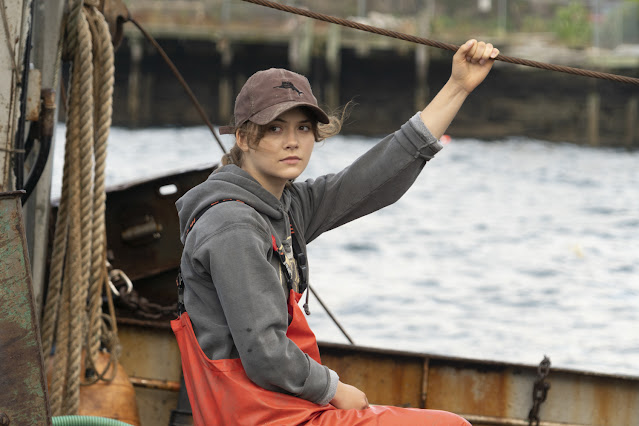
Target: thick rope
(81, 117)
(73, 319)
(440, 45)
(56, 316)
(104, 72)
(52, 303)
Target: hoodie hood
(230, 182)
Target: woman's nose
(291, 139)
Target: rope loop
(73, 321)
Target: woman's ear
(241, 141)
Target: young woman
(248, 355)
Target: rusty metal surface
(155, 405)
(387, 380)
(33, 95)
(487, 390)
(151, 353)
(151, 358)
(23, 396)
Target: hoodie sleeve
(377, 179)
(238, 257)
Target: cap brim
(226, 130)
(271, 113)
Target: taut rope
(440, 45)
(73, 309)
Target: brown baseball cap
(269, 93)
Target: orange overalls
(221, 393)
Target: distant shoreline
(513, 101)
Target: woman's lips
(291, 160)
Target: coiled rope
(440, 45)
(72, 318)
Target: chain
(540, 391)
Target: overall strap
(286, 269)
(302, 264)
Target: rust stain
(468, 391)
(385, 381)
(612, 404)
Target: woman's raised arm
(471, 65)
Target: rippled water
(507, 250)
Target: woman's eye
(305, 128)
(275, 129)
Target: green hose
(86, 421)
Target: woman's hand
(471, 64)
(349, 397)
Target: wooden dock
(217, 44)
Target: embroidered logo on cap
(288, 85)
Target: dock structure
(218, 44)
(231, 25)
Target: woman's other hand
(472, 63)
(349, 397)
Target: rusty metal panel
(386, 380)
(486, 392)
(592, 399)
(32, 112)
(505, 391)
(23, 400)
(150, 353)
(155, 405)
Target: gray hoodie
(234, 293)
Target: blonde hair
(255, 132)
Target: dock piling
(422, 56)
(593, 107)
(333, 64)
(225, 98)
(133, 92)
(631, 120)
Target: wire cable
(440, 45)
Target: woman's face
(283, 152)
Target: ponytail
(232, 157)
